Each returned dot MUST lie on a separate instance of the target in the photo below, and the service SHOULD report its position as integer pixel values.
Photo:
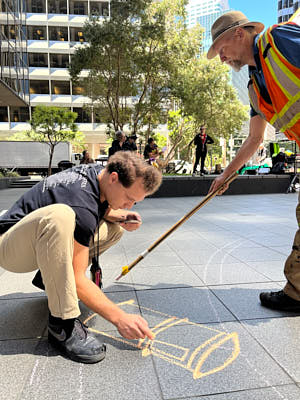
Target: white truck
(33, 157)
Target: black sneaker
(279, 301)
(37, 281)
(79, 345)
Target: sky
(264, 11)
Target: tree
(205, 93)
(53, 125)
(130, 58)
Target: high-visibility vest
(283, 85)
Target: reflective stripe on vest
(283, 84)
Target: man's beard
(236, 65)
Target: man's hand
(217, 183)
(132, 326)
(123, 217)
(131, 216)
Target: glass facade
(205, 12)
(14, 76)
(286, 8)
(38, 38)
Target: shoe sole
(275, 307)
(86, 359)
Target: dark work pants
(202, 155)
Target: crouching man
(51, 228)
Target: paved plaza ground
(199, 292)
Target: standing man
(130, 143)
(51, 228)
(201, 140)
(118, 143)
(273, 59)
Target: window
(39, 87)
(291, 3)
(77, 90)
(3, 114)
(78, 7)
(19, 114)
(37, 32)
(280, 5)
(59, 60)
(38, 60)
(99, 8)
(58, 33)
(60, 87)
(57, 6)
(76, 35)
(36, 6)
(83, 115)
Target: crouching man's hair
(129, 167)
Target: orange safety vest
(283, 85)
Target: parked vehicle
(179, 167)
(33, 157)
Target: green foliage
(53, 125)
(130, 59)
(181, 133)
(205, 93)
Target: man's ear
(239, 33)
(114, 177)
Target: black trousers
(200, 155)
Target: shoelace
(80, 328)
(277, 294)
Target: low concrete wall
(5, 182)
(177, 186)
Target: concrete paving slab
(165, 277)
(260, 254)
(23, 318)
(271, 269)
(285, 392)
(243, 300)
(195, 303)
(280, 337)
(193, 256)
(17, 361)
(123, 374)
(223, 358)
(218, 274)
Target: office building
(205, 12)
(14, 88)
(51, 31)
(286, 8)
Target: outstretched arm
(248, 148)
(130, 326)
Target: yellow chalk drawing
(184, 357)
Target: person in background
(130, 143)
(118, 143)
(274, 86)
(261, 155)
(201, 140)
(86, 158)
(151, 150)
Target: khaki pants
(44, 240)
(292, 264)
